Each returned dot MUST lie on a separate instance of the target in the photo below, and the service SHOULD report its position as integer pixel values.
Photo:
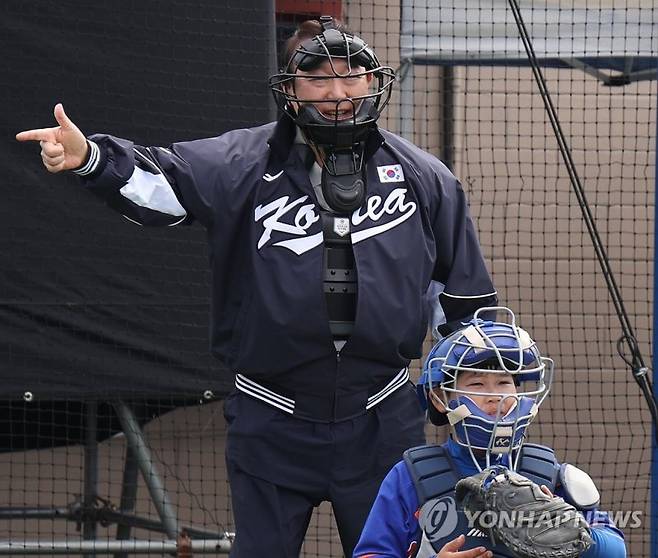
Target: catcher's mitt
(516, 513)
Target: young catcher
(485, 493)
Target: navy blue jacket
(251, 190)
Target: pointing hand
(63, 147)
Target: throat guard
(343, 182)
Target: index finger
(39, 134)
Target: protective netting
(104, 323)
(505, 152)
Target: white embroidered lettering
(305, 217)
(280, 207)
(394, 203)
(376, 207)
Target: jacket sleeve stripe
(92, 162)
(470, 296)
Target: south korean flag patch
(390, 173)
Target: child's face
(483, 382)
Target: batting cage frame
(91, 509)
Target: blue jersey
(393, 530)
(250, 189)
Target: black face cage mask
(332, 45)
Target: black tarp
(91, 305)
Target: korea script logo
(294, 218)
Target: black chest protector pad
(340, 282)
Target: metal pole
(447, 92)
(272, 62)
(25, 548)
(407, 100)
(91, 471)
(38, 513)
(128, 495)
(135, 439)
(653, 510)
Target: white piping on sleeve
(472, 296)
(92, 163)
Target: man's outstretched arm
(130, 179)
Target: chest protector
(435, 475)
(339, 274)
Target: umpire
(329, 241)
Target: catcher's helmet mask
(340, 139)
(487, 347)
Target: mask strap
(327, 22)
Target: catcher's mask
(341, 137)
(332, 45)
(487, 347)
